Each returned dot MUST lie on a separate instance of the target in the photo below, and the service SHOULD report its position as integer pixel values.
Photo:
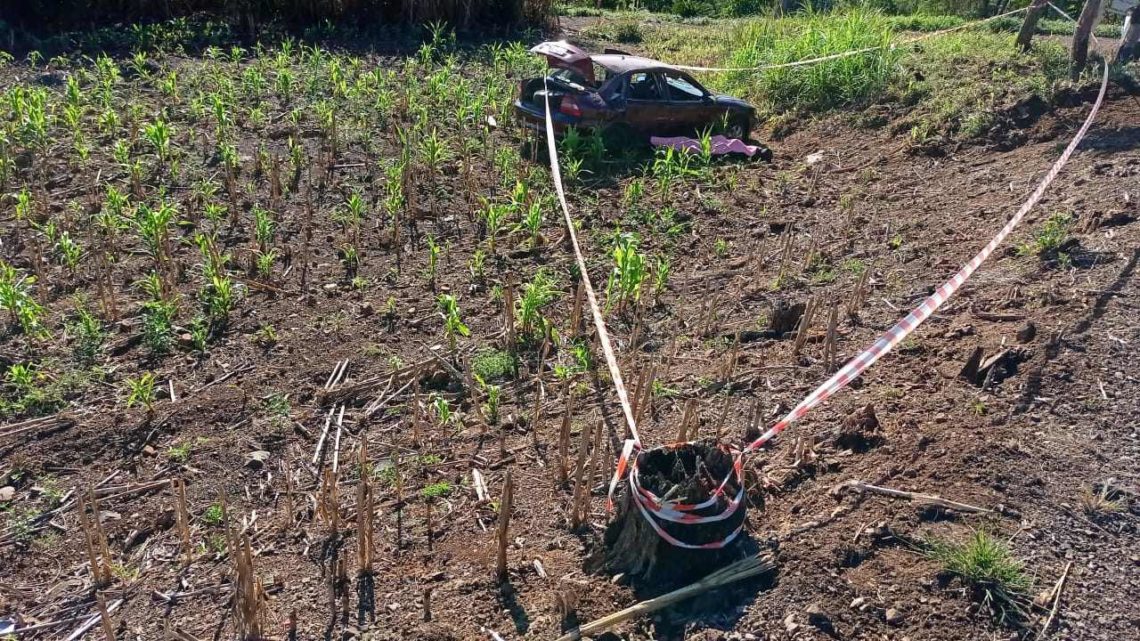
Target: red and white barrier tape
(653, 507)
(853, 52)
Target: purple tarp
(720, 145)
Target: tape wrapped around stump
(688, 473)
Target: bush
(628, 32)
(818, 87)
(691, 8)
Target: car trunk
(571, 73)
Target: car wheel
(738, 127)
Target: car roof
(621, 63)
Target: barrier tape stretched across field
(853, 52)
(653, 507)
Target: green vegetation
(1049, 239)
(492, 365)
(213, 515)
(436, 490)
(818, 87)
(986, 565)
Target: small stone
(818, 617)
(256, 459)
(790, 624)
(7, 492)
(1027, 332)
(857, 602)
(330, 287)
(894, 617)
(149, 451)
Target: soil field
(371, 227)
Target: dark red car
(626, 98)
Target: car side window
(643, 86)
(681, 88)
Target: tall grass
(822, 86)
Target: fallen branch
(861, 487)
(743, 569)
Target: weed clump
(494, 365)
(987, 566)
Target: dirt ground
(1058, 418)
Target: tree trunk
(1130, 43)
(1030, 24)
(1090, 16)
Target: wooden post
(1090, 16)
(1029, 26)
(1130, 42)
(504, 526)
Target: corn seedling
(16, 298)
(453, 327)
(630, 271)
(535, 295)
(141, 392)
(158, 134)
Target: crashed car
(625, 98)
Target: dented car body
(625, 98)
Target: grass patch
(986, 565)
(494, 365)
(818, 87)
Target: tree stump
(687, 473)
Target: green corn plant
(283, 85)
(153, 225)
(351, 215)
(265, 262)
(350, 259)
(69, 252)
(624, 284)
(442, 410)
(495, 218)
(199, 334)
(453, 326)
(536, 294)
(24, 205)
(16, 298)
(87, 335)
(158, 134)
(478, 265)
(491, 406)
(169, 86)
(121, 152)
(141, 392)
(108, 121)
(219, 297)
(660, 276)
(532, 222)
(263, 228)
